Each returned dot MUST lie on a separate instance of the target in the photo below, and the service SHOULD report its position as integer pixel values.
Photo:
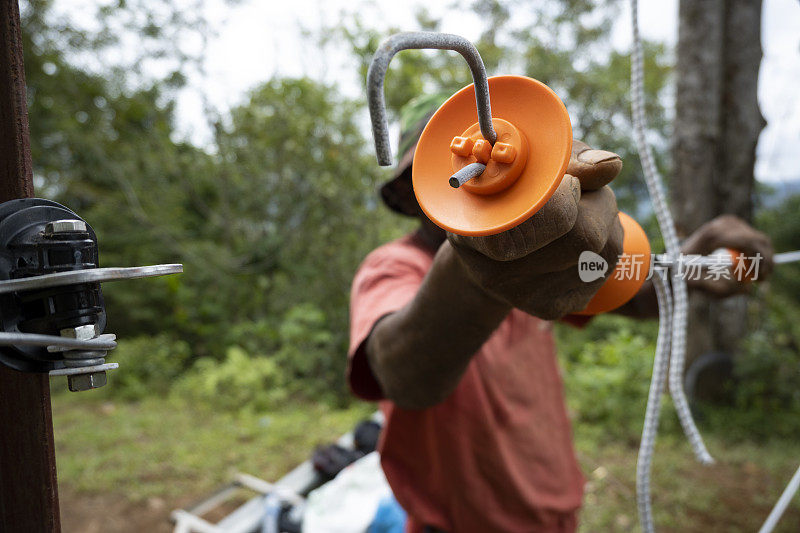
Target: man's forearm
(419, 353)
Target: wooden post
(28, 486)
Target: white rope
(673, 310)
(660, 364)
(667, 226)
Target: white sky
(257, 39)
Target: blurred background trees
(272, 217)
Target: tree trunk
(716, 130)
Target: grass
(172, 451)
(735, 494)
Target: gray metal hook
(419, 40)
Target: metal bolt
(82, 382)
(82, 333)
(91, 380)
(64, 226)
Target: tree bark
(717, 125)
(28, 488)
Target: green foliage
(278, 213)
(607, 369)
(276, 359)
(765, 392)
(302, 346)
(239, 382)
(768, 369)
(781, 223)
(148, 366)
(766, 398)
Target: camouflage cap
(414, 116)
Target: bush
(238, 382)
(607, 370)
(148, 366)
(265, 361)
(767, 373)
(301, 343)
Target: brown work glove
(534, 266)
(728, 231)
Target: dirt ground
(104, 513)
(112, 513)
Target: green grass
(173, 451)
(735, 494)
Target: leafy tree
(270, 222)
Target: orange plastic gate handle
(523, 169)
(540, 134)
(630, 273)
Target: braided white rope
(657, 382)
(667, 226)
(677, 362)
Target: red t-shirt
(497, 454)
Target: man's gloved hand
(534, 266)
(728, 231)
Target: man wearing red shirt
(452, 335)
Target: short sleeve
(577, 321)
(386, 281)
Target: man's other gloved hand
(534, 266)
(728, 231)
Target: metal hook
(419, 40)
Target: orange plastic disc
(540, 137)
(630, 273)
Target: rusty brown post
(28, 486)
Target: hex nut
(82, 333)
(64, 226)
(83, 382)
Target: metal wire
(786, 257)
(668, 232)
(653, 412)
(32, 339)
(420, 40)
(782, 504)
(473, 170)
(89, 275)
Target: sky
(257, 39)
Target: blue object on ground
(389, 518)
